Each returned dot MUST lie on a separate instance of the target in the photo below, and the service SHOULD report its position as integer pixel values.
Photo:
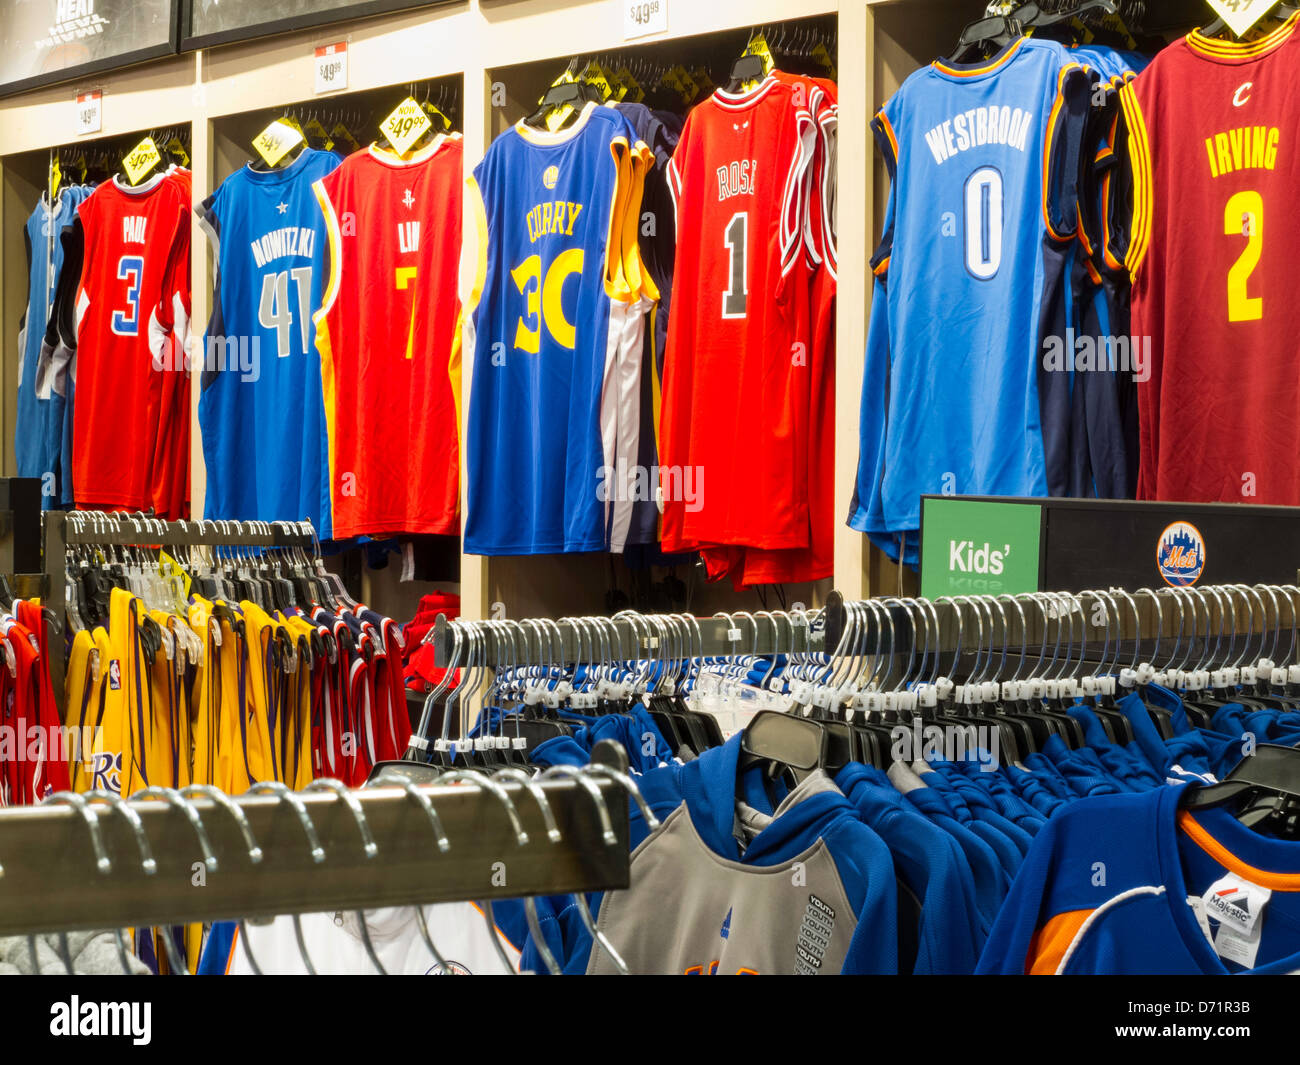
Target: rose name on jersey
(1247, 148)
(977, 127)
(279, 243)
(133, 229)
(554, 216)
(738, 179)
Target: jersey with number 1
(388, 340)
(130, 236)
(261, 367)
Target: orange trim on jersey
(617, 284)
(976, 72)
(1140, 161)
(1092, 272)
(887, 126)
(881, 267)
(1052, 120)
(234, 945)
(1216, 850)
(1051, 942)
(496, 928)
(1220, 49)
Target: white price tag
(90, 115)
(644, 17)
(1241, 15)
(332, 67)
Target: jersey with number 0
(737, 376)
(1212, 258)
(555, 334)
(984, 170)
(261, 367)
(388, 340)
(129, 237)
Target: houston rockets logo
(1180, 554)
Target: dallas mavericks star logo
(1180, 554)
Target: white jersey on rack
(458, 929)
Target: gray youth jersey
(690, 911)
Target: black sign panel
(213, 22)
(1099, 543)
(47, 41)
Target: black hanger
(984, 37)
(1282, 11)
(1267, 781)
(574, 93)
(793, 746)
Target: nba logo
(115, 675)
(1180, 554)
(550, 176)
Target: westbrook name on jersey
(970, 277)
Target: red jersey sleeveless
(1214, 145)
(736, 388)
(124, 392)
(388, 340)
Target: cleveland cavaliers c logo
(1237, 99)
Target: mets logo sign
(1180, 554)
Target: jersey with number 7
(1212, 129)
(388, 340)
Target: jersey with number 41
(261, 368)
(388, 340)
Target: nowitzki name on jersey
(977, 127)
(280, 243)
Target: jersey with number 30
(261, 368)
(388, 340)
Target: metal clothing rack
(569, 640)
(99, 862)
(63, 529)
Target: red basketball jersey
(1214, 145)
(388, 339)
(736, 383)
(130, 236)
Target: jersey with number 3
(129, 236)
(984, 162)
(261, 367)
(1212, 257)
(388, 340)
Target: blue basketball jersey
(554, 335)
(984, 162)
(261, 410)
(35, 447)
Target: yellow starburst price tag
(1241, 15)
(406, 125)
(140, 160)
(276, 141)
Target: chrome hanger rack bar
(739, 633)
(322, 849)
(63, 528)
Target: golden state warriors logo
(551, 176)
(1180, 554)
